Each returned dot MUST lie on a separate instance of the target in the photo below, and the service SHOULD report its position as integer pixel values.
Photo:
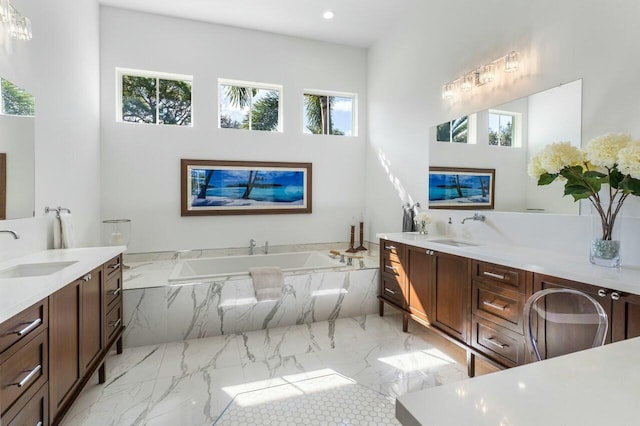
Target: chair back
(559, 321)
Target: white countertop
(17, 294)
(561, 265)
(594, 387)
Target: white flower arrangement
(611, 159)
(423, 217)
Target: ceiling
(357, 22)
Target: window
(15, 101)
(251, 106)
(154, 98)
(502, 128)
(454, 131)
(329, 113)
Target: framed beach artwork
(461, 188)
(213, 187)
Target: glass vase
(423, 228)
(605, 237)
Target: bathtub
(200, 269)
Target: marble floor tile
(303, 374)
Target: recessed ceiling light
(328, 14)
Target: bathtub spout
(252, 245)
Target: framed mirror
(17, 152)
(504, 138)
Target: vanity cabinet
(497, 301)
(451, 284)
(24, 368)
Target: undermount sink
(455, 243)
(26, 270)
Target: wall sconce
(17, 25)
(481, 76)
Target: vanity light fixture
(17, 25)
(481, 75)
(328, 15)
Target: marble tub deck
(318, 373)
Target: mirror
(504, 138)
(17, 152)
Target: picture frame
(218, 187)
(461, 188)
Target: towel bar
(57, 210)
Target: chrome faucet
(8, 231)
(252, 246)
(476, 216)
(266, 247)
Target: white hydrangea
(535, 169)
(629, 160)
(603, 150)
(557, 156)
(423, 217)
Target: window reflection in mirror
(505, 137)
(17, 173)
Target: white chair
(558, 321)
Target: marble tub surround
(17, 294)
(153, 269)
(224, 379)
(571, 266)
(178, 312)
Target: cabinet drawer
(500, 275)
(498, 305)
(27, 323)
(113, 322)
(392, 250)
(392, 290)
(113, 267)
(113, 290)
(24, 371)
(499, 343)
(392, 268)
(35, 412)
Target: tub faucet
(266, 247)
(252, 246)
(476, 216)
(8, 231)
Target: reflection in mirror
(505, 137)
(17, 173)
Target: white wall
(60, 67)
(141, 163)
(558, 42)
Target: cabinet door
(554, 344)
(65, 369)
(421, 277)
(452, 295)
(91, 338)
(626, 316)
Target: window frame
(516, 128)
(158, 75)
(253, 85)
(332, 93)
(472, 137)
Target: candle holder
(352, 241)
(116, 232)
(361, 247)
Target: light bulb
(328, 15)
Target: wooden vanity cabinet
(393, 289)
(421, 283)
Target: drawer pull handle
(602, 292)
(29, 376)
(30, 327)
(390, 248)
(114, 266)
(495, 306)
(496, 343)
(393, 268)
(389, 291)
(492, 275)
(116, 291)
(86, 278)
(115, 324)
(615, 295)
